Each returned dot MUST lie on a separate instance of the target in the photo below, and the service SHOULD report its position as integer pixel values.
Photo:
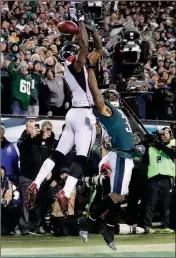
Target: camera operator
(161, 173)
(35, 146)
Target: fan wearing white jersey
(80, 122)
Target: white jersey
(80, 97)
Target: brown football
(67, 27)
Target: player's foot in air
(85, 225)
(63, 201)
(108, 236)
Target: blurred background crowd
(30, 50)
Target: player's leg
(105, 204)
(85, 134)
(84, 138)
(120, 177)
(121, 171)
(57, 156)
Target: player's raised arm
(97, 96)
(90, 25)
(84, 45)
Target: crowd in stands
(30, 46)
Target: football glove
(31, 195)
(89, 22)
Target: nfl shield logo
(9, 150)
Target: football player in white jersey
(80, 122)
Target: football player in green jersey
(120, 159)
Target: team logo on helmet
(68, 50)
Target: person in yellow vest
(161, 173)
(173, 206)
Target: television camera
(128, 51)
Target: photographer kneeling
(62, 225)
(161, 173)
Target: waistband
(89, 107)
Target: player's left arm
(79, 62)
(97, 52)
(97, 96)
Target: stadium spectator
(56, 94)
(10, 205)
(33, 108)
(20, 87)
(35, 146)
(9, 158)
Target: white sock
(125, 229)
(69, 185)
(46, 168)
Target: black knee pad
(77, 168)
(57, 156)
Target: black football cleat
(108, 236)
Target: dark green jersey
(118, 128)
(36, 81)
(20, 85)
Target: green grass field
(127, 246)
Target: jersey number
(33, 85)
(25, 87)
(128, 128)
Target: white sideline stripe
(87, 250)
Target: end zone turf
(127, 246)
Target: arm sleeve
(10, 68)
(15, 161)
(46, 98)
(171, 153)
(23, 141)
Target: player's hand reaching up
(89, 22)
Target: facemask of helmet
(68, 50)
(113, 96)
